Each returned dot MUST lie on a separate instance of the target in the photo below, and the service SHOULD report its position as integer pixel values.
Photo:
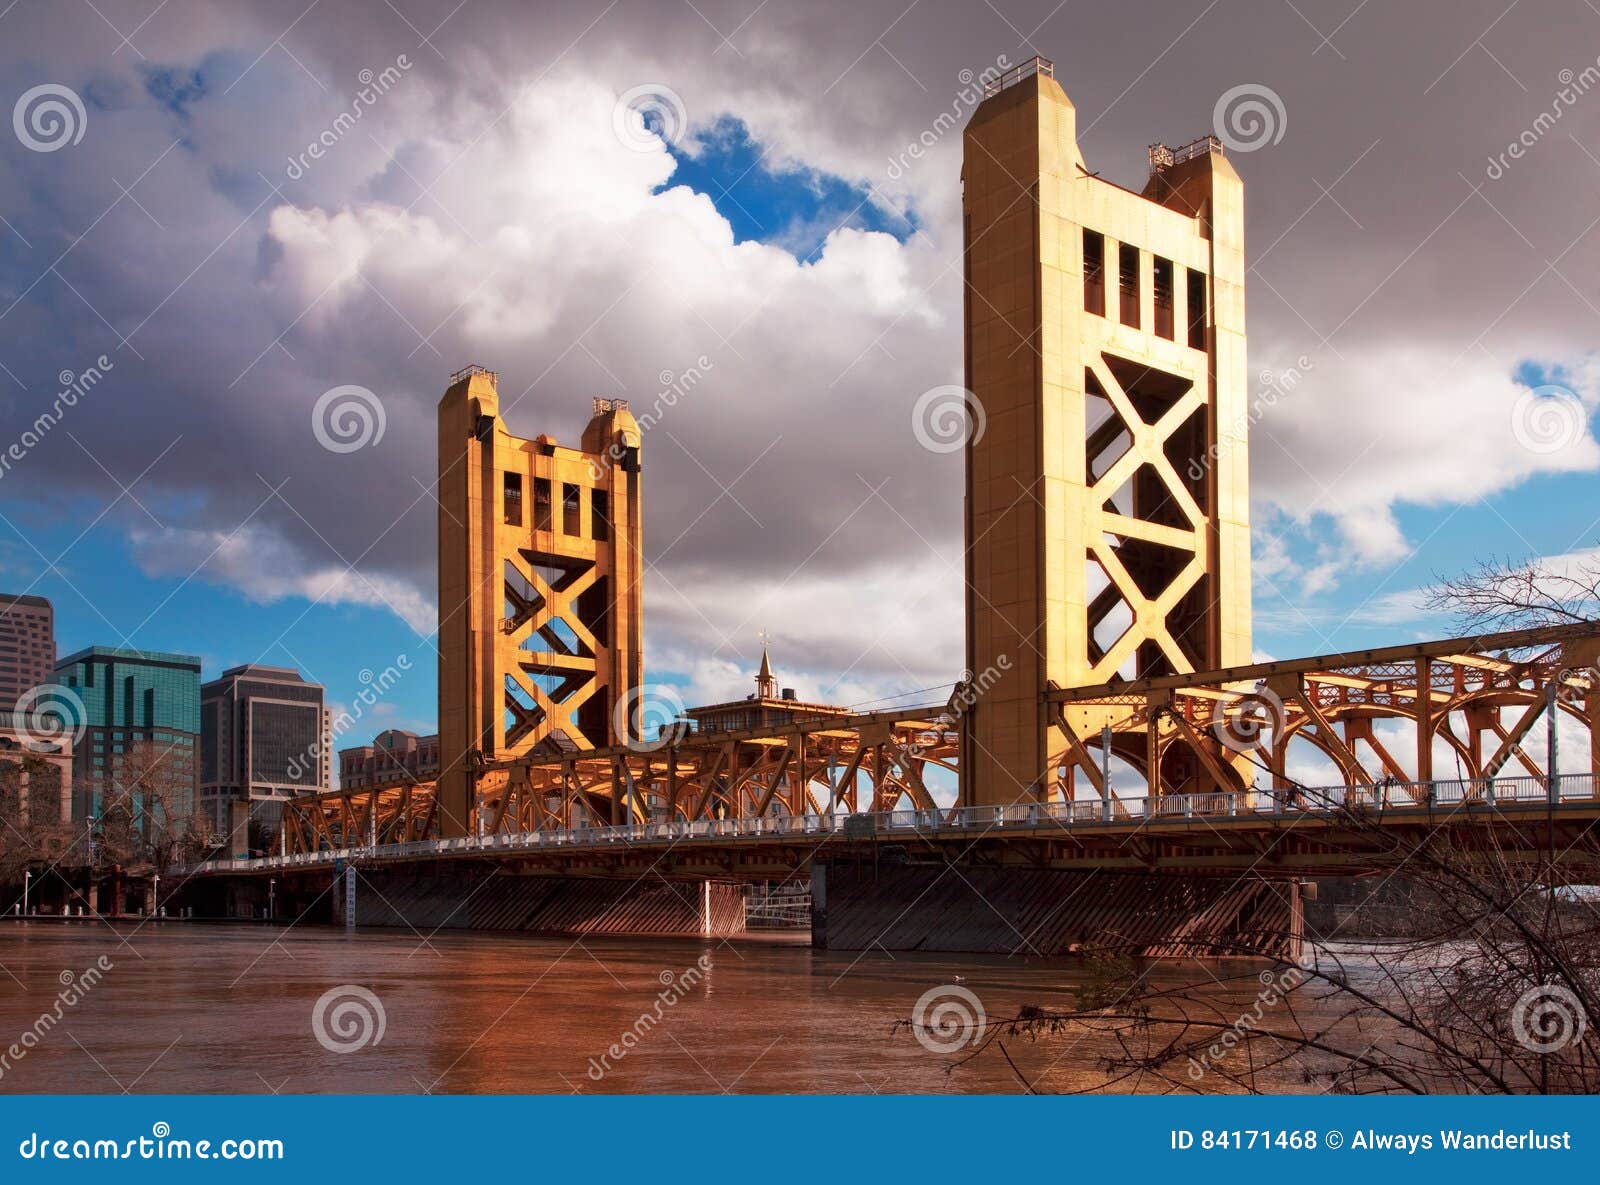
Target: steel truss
(1228, 732)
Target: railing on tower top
(1162, 157)
(468, 371)
(1034, 65)
(605, 405)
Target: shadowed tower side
(540, 614)
(1107, 497)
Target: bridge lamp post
(27, 883)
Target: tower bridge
(1119, 769)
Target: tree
(1498, 594)
(1492, 989)
(31, 831)
(147, 814)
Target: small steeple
(766, 681)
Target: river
(176, 1007)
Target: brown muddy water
(196, 1008)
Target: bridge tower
(1107, 495)
(539, 588)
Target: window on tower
(1161, 282)
(1094, 273)
(1128, 283)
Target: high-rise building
(27, 646)
(1107, 502)
(394, 757)
(539, 588)
(133, 700)
(264, 737)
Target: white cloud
(266, 568)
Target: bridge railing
(1299, 801)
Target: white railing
(1473, 793)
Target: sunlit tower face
(540, 608)
(1107, 497)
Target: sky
(598, 200)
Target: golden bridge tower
(539, 588)
(1107, 495)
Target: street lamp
(272, 898)
(155, 895)
(27, 881)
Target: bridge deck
(1339, 828)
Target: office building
(264, 737)
(132, 700)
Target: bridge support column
(556, 905)
(1016, 911)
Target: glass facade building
(123, 698)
